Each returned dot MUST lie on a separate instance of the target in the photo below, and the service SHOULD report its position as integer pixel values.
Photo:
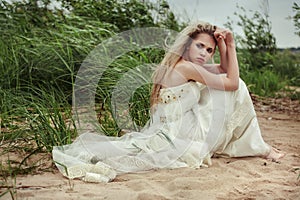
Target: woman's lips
(200, 60)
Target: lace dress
(191, 123)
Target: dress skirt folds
(190, 124)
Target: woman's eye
(209, 50)
(200, 46)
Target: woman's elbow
(233, 86)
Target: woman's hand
(224, 34)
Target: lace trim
(100, 172)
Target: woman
(198, 110)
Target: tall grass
(287, 66)
(39, 63)
(121, 77)
(38, 68)
(50, 119)
(263, 82)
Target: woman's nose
(202, 51)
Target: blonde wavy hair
(176, 52)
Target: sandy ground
(227, 178)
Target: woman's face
(201, 49)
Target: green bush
(287, 65)
(263, 83)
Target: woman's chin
(199, 62)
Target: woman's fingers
(224, 34)
(220, 33)
(219, 36)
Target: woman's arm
(229, 60)
(191, 71)
(214, 68)
(223, 52)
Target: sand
(227, 178)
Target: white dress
(191, 123)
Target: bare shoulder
(183, 65)
(190, 71)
